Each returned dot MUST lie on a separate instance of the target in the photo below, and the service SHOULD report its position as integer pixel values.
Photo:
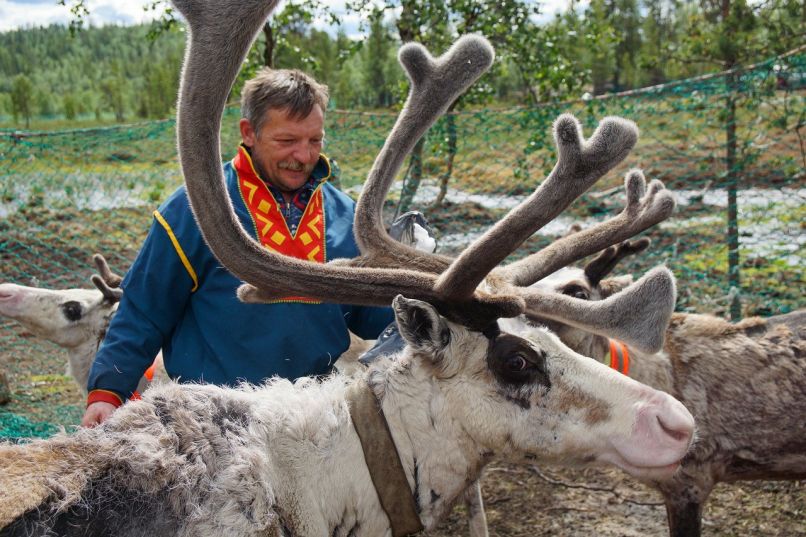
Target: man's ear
(248, 134)
(423, 329)
(611, 286)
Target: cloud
(51, 2)
(29, 13)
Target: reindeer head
(67, 317)
(528, 397)
(451, 307)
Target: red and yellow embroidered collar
(270, 226)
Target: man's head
(283, 125)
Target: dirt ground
(523, 501)
(520, 501)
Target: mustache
(295, 166)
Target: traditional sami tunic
(178, 298)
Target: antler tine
(607, 260)
(638, 315)
(435, 84)
(113, 295)
(580, 164)
(645, 207)
(220, 48)
(112, 279)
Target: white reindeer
(390, 452)
(74, 319)
(745, 384)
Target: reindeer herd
(500, 361)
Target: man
(178, 298)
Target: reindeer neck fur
(440, 457)
(79, 362)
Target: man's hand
(97, 413)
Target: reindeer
(745, 384)
(390, 452)
(74, 319)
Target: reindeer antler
(113, 295)
(607, 260)
(638, 315)
(108, 283)
(112, 279)
(645, 208)
(435, 84)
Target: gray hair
(283, 89)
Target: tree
(730, 34)
(113, 94)
(378, 48)
(22, 90)
(69, 104)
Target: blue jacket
(178, 298)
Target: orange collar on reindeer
(619, 357)
(270, 226)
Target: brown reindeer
(745, 384)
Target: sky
(26, 13)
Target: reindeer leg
(684, 517)
(684, 497)
(474, 502)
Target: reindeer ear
(421, 326)
(611, 286)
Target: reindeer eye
(576, 291)
(516, 363)
(71, 310)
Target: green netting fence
(731, 146)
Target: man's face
(286, 150)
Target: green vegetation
(111, 72)
(120, 74)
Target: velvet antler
(108, 283)
(604, 263)
(646, 206)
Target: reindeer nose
(677, 423)
(9, 291)
(661, 433)
(665, 423)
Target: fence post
(731, 181)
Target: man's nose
(306, 153)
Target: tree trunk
(268, 52)
(5, 390)
(415, 176)
(450, 126)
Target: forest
(62, 77)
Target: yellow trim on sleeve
(178, 249)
